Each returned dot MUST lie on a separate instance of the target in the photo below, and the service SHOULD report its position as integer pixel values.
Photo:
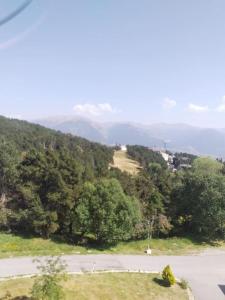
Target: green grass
(169, 246)
(122, 286)
(14, 245)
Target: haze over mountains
(176, 137)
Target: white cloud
(221, 107)
(168, 103)
(94, 110)
(197, 108)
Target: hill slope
(124, 163)
(26, 136)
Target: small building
(123, 148)
(165, 156)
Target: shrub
(47, 287)
(168, 276)
(183, 284)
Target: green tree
(45, 193)
(168, 276)
(200, 204)
(105, 211)
(153, 201)
(9, 160)
(207, 165)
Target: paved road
(205, 273)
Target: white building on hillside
(165, 155)
(123, 148)
(168, 159)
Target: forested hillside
(24, 136)
(52, 183)
(145, 156)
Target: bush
(168, 276)
(183, 284)
(47, 287)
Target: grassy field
(124, 163)
(13, 245)
(104, 286)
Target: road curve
(205, 273)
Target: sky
(142, 61)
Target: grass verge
(104, 286)
(12, 245)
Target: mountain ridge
(178, 137)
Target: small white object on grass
(148, 251)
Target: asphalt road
(205, 273)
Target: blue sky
(118, 60)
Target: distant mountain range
(175, 137)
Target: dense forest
(53, 183)
(145, 156)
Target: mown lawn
(13, 245)
(104, 286)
